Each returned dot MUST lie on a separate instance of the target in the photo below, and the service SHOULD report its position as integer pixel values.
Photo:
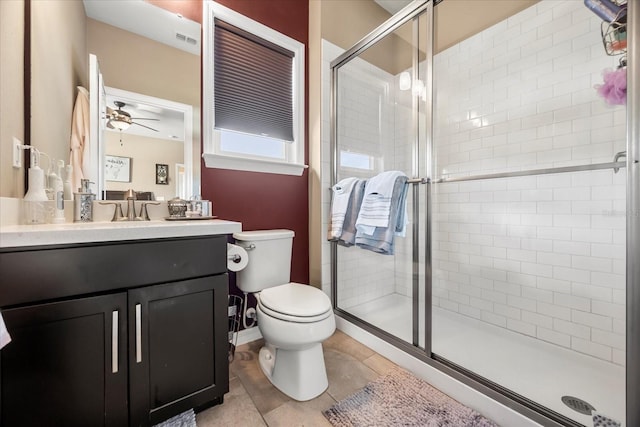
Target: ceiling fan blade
(143, 118)
(155, 130)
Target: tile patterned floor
(253, 401)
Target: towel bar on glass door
(418, 181)
(410, 181)
(560, 169)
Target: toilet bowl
(292, 358)
(293, 318)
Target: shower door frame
(408, 14)
(633, 216)
(521, 404)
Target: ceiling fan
(119, 119)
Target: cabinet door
(66, 364)
(178, 348)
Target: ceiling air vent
(186, 39)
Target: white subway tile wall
(540, 255)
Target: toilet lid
(294, 299)
(288, 318)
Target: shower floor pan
(538, 370)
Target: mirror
(142, 49)
(148, 155)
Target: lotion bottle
(58, 194)
(35, 201)
(55, 180)
(68, 191)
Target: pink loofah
(614, 89)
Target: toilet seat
(294, 302)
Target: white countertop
(69, 233)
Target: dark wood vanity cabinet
(172, 366)
(135, 352)
(66, 364)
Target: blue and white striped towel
(339, 203)
(376, 204)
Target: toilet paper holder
(235, 258)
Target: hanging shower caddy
(614, 33)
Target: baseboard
(248, 335)
(454, 388)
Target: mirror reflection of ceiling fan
(119, 119)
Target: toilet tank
(269, 259)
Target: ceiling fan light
(119, 124)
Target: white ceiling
(393, 6)
(147, 20)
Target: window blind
(253, 80)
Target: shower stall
(516, 272)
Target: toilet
(294, 319)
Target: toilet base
(300, 374)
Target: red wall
(259, 200)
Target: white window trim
(212, 157)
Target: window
(353, 160)
(253, 95)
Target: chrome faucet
(144, 215)
(130, 196)
(117, 212)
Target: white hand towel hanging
(376, 204)
(5, 338)
(339, 203)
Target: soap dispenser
(58, 194)
(67, 188)
(35, 201)
(83, 202)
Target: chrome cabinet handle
(138, 334)
(114, 341)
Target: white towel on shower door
(376, 204)
(4, 334)
(339, 203)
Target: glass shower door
(379, 113)
(529, 211)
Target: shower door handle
(418, 181)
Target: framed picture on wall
(117, 168)
(162, 174)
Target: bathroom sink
(105, 231)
